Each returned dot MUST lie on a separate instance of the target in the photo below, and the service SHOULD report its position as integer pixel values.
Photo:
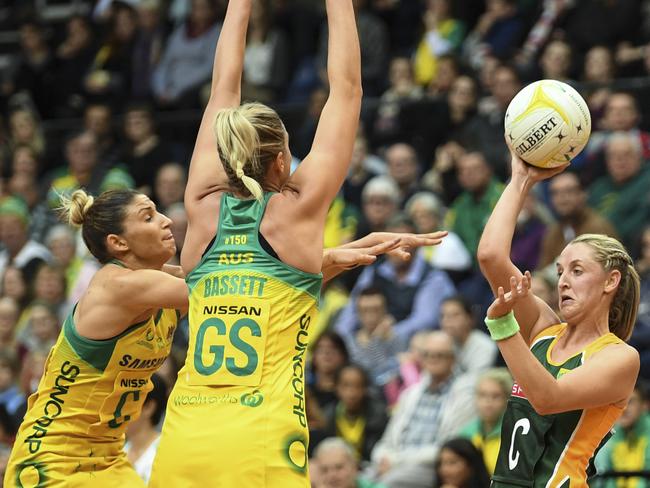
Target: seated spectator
(448, 71)
(79, 269)
(386, 127)
(329, 355)
(450, 255)
(9, 315)
(499, 31)
(569, 204)
(98, 120)
(359, 418)
(380, 200)
(142, 434)
(640, 339)
(375, 345)
(410, 368)
(599, 74)
(18, 249)
(527, 240)
(84, 170)
(176, 212)
(413, 289)
(147, 47)
(42, 329)
(335, 466)
(110, 72)
(555, 62)
(492, 392)
(468, 214)
(629, 447)
(621, 195)
(426, 416)
(144, 151)
(404, 169)
(169, 185)
(187, 59)
(363, 168)
(459, 465)
(49, 288)
(621, 113)
(443, 35)
(15, 286)
(266, 59)
(11, 398)
(25, 130)
(544, 286)
(475, 351)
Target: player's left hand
(505, 302)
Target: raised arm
(494, 248)
(206, 173)
(321, 174)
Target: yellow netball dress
(73, 431)
(236, 416)
(552, 451)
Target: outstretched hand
(505, 302)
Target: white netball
(547, 123)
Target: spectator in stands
(15, 286)
(375, 346)
(18, 249)
(11, 398)
(569, 204)
(499, 31)
(622, 195)
(426, 212)
(492, 392)
(176, 212)
(380, 200)
(25, 130)
(266, 59)
(403, 89)
(9, 314)
(98, 120)
(427, 415)
(629, 448)
(555, 63)
(640, 339)
(460, 465)
(143, 434)
(147, 47)
(441, 178)
(443, 35)
(468, 214)
(73, 58)
(169, 185)
(448, 70)
(410, 368)
(413, 289)
(49, 288)
(529, 231)
(621, 114)
(84, 170)
(359, 417)
(404, 169)
(144, 151)
(475, 351)
(23, 181)
(373, 40)
(301, 143)
(363, 167)
(110, 73)
(79, 268)
(34, 71)
(41, 331)
(329, 355)
(336, 466)
(187, 59)
(544, 286)
(599, 72)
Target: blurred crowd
(405, 387)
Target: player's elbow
(348, 86)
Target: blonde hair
(611, 255)
(501, 376)
(249, 138)
(75, 207)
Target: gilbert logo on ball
(547, 123)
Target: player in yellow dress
(236, 416)
(97, 375)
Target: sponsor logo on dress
(518, 392)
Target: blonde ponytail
(249, 138)
(76, 207)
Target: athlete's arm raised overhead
(608, 377)
(206, 175)
(494, 248)
(319, 177)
